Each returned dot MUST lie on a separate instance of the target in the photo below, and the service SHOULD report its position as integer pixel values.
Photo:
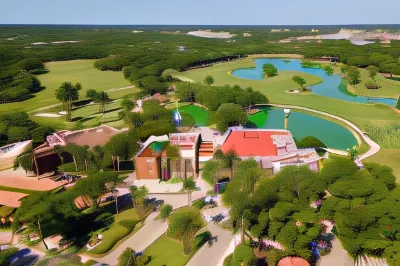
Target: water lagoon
(332, 86)
(302, 125)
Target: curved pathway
(374, 147)
(143, 238)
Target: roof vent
(251, 134)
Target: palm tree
(189, 185)
(67, 94)
(139, 196)
(102, 98)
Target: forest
(144, 56)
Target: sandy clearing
(48, 115)
(18, 179)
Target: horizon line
(84, 24)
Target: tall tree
(230, 114)
(209, 80)
(139, 197)
(270, 70)
(189, 185)
(127, 258)
(373, 71)
(229, 159)
(120, 147)
(102, 99)
(353, 75)
(94, 186)
(67, 94)
(127, 104)
(184, 225)
(299, 81)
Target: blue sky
(209, 12)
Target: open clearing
(74, 71)
(389, 88)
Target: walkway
(337, 256)
(374, 147)
(143, 238)
(211, 255)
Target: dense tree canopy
(230, 114)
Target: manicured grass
(74, 71)
(168, 252)
(389, 157)
(274, 88)
(88, 115)
(389, 88)
(199, 114)
(116, 232)
(20, 190)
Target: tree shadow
(109, 110)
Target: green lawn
(389, 88)
(274, 88)
(88, 115)
(116, 232)
(74, 71)
(389, 157)
(199, 115)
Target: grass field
(274, 88)
(389, 157)
(116, 232)
(74, 71)
(389, 88)
(199, 115)
(88, 116)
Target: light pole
(287, 114)
(115, 193)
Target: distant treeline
(144, 56)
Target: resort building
(273, 149)
(45, 158)
(152, 161)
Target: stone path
(5, 237)
(374, 147)
(211, 255)
(143, 238)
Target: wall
(148, 167)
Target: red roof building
(293, 261)
(273, 149)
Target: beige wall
(7, 162)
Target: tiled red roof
(252, 143)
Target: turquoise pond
(332, 86)
(302, 125)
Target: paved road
(374, 146)
(143, 238)
(211, 255)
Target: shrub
(16, 134)
(104, 219)
(128, 223)
(165, 210)
(5, 255)
(311, 142)
(199, 204)
(127, 258)
(67, 167)
(39, 134)
(242, 253)
(228, 260)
